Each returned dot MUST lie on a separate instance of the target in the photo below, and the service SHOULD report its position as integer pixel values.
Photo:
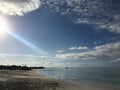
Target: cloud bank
(18, 7)
(108, 51)
(19, 59)
(104, 14)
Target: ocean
(85, 75)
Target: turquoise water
(85, 75)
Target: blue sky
(61, 33)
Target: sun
(3, 26)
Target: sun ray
(3, 28)
(27, 43)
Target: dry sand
(30, 80)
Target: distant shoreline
(18, 67)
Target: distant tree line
(37, 67)
(19, 67)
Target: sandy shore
(30, 80)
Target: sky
(60, 33)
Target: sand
(30, 80)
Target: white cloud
(72, 48)
(97, 42)
(28, 59)
(115, 61)
(60, 51)
(79, 48)
(101, 13)
(18, 7)
(108, 51)
(104, 14)
(82, 48)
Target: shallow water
(85, 75)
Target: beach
(30, 80)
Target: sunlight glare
(3, 26)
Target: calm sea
(85, 75)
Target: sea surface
(85, 75)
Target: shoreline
(41, 73)
(31, 80)
(65, 84)
(98, 85)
